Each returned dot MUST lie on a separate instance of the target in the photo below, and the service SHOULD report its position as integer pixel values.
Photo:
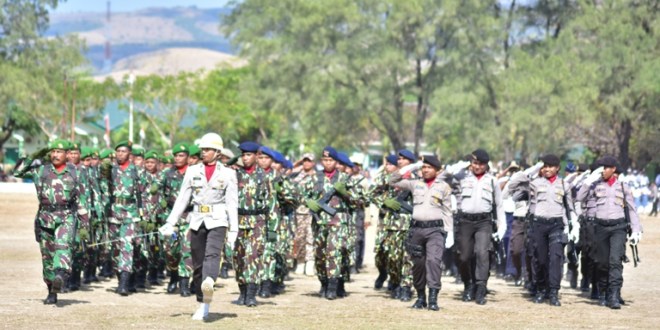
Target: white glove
(534, 169)
(574, 234)
(635, 238)
(499, 235)
(411, 167)
(580, 179)
(166, 230)
(449, 241)
(455, 168)
(594, 176)
(231, 238)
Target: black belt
(252, 212)
(474, 216)
(56, 207)
(521, 219)
(341, 210)
(549, 220)
(426, 224)
(611, 222)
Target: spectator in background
(655, 196)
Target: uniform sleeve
(396, 180)
(182, 199)
(448, 218)
(501, 218)
(570, 208)
(583, 193)
(24, 168)
(635, 224)
(231, 201)
(83, 200)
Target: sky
(130, 5)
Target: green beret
(106, 153)
(180, 147)
(58, 144)
(169, 159)
(73, 145)
(151, 154)
(86, 152)
(137, 151)
(194, 150)
(127, 144)
(95, 152)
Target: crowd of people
(140, 216)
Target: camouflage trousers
(330, 249)
(55, 246)
(303, 243)
(247, 255)
(398, 262)
(93, 254)
(268, 261)
(125, 248)
(379, 249)
(178, 252)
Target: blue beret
(249, 146)
(344, 159)
(392, 159)
(330, 152)
(570, 167)
(405, 153)
(267, 151)
(287, 164)
(279, 158)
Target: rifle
(402, 199)
(626, 215)
(323, 202)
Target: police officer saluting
(212, 190)
(610, 199)
(431, 227)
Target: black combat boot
(122, 288)
(152, 276)
(584, 284)
(396, 292)
(382, 276)
(480, 296)
(406, 293)
(51, 299)
(341, 291)
(184, 286)
(595, 292)
(518, 281)
(251, 295)
(264, 291)
(331, 293)
(241, 297)
(141, 279)
(468, 292)
(161, 270)
(573, 279)
(174, 280)
(74, 281)
(433, 299)
(602, 298)
(224, 270)
(192, 287)
(132, 282)
(554, 297)
(613, 299)
(106, 269)
(91, 270)
(539, 297)
(420, 303)
(324, 288)
(59, 281)
(86, 279)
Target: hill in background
(139, 39)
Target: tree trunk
(624, 143)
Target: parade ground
(97, 306)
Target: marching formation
(141, 216)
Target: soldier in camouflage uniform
(153, 207)
(177, 248)
(95, 202)
(303, 246)
(329, 187)
(58, 191)
(137, 156)
(255, 199)
(195, 154)
(124, 188)
(105, 253)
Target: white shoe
(310, 269)
(300, 268)
(207, 290)
(202, 313)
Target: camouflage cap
(180, 147)
(58, 144)
(126, 143)
(106, 153)
(151, 154)
(194, 150)
(137, 151)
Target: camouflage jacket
(318, 187)
(125, 193)
(61, 195)
(276, 219)
(255, 198)
(94, 195)
(170, 181)
(299, 181)
(151, 201)
(381, 190)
